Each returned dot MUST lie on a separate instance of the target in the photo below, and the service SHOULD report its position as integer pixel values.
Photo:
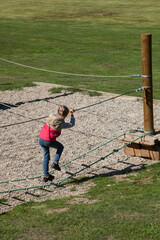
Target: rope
(71, 74)
(78, 109)
(136, 90)
(65, 179)
(16, 180)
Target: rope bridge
(69, 162)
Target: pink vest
(49, 134)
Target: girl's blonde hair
(63, 111)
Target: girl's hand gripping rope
(71, 111)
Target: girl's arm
(70, 124)
(72, 120)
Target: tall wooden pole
(146, 41)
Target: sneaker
(48, 178)
(56, 166)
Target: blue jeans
(45, 145)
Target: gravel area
(23, 114)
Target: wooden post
(147, 146)
(146, 41)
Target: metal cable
(78, 109)
(71, 74)
(136, 90)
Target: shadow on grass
(113, 172)
(6, 84)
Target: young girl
(47, 138)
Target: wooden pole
(146, 41)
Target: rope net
(71, 175)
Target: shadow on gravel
(5, 106)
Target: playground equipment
(148, 146)
(143, 143)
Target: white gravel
(21, 155)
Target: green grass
(130, 11)
(73, 90)
(84, 37)
(128, 208)
(3, 200)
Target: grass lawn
(84, 37)
(124, 208)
